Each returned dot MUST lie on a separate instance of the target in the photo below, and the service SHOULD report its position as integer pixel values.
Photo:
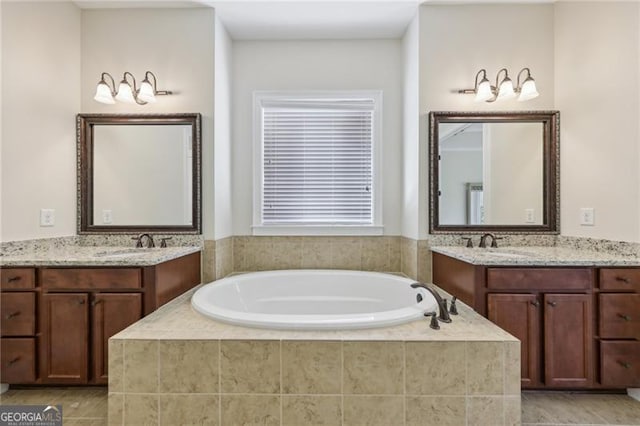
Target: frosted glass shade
(529, 90)
(484, 93)
(146, 94)
(506, 89)
(125, 94)
(103, 94)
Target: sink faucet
(150, 242)
(442, 306)
(494, 240)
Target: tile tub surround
(468, 372)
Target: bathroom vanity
(575, 312)
(59, 308)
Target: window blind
(317, 163)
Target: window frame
(376, 227)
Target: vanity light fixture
(128, 91)
(503, 89)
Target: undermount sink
(122, 252)
(509, 255)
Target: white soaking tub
(313, 300)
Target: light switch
(529, 216)
(47, 217)
(107, 217)
(587, 216)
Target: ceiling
(303, 19)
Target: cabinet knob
(81, 302)
(552, 304)
(625, 317)
(535, 303)
(96, 302)
(12, 279)
(625, 364)
(13, 361)
(12, 314)
(623, 279)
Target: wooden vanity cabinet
(18, 325)
(619, 327)
(553, 325)
(579, 327)
(56, 321)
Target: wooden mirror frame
(551, 166)
(84, 130)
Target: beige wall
(316, 65)
(597, 72)
(177, 45)
(40, 97)
(457, 41)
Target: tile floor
(88, 406)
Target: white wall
(177, 45)
(317, 65)
(40, 97)
(457, 41)
(413, 189)
(597, 69)
(223, 217)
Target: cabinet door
(568, 339)
(519, 315)
(65, 326)
(112, 312)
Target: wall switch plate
(529, 217)
(47, 217)
(107, 217)
(587, 216)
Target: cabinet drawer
(17, 278)
(620, 279)
(620, 364)
(94, 278)
(620, 315)
(18, 312)
(539, 278)
(18, 360)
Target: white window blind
(317, 162)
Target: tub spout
(443, 313)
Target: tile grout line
(219, 382)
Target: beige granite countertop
(95, 256)
(536, 256)
(177, 320)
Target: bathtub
(313, 300)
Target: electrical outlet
(587, 216)
(107, 217)
(47, 217)
(529, 216)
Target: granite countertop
(95, 256)
(536, 256)
(177, 320)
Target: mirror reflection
(490, 173)
(494, 171)
(139, 173)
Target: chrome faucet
(442, 304)
(494, 240)
(138, 239)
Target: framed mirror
(494, 172)
(139, 173)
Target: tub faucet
(444, 314)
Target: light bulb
(484, 93)
(146, 93)
(125, 94)
(528, 90)
(103, 93)
(506, 89)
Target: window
(316, 167)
